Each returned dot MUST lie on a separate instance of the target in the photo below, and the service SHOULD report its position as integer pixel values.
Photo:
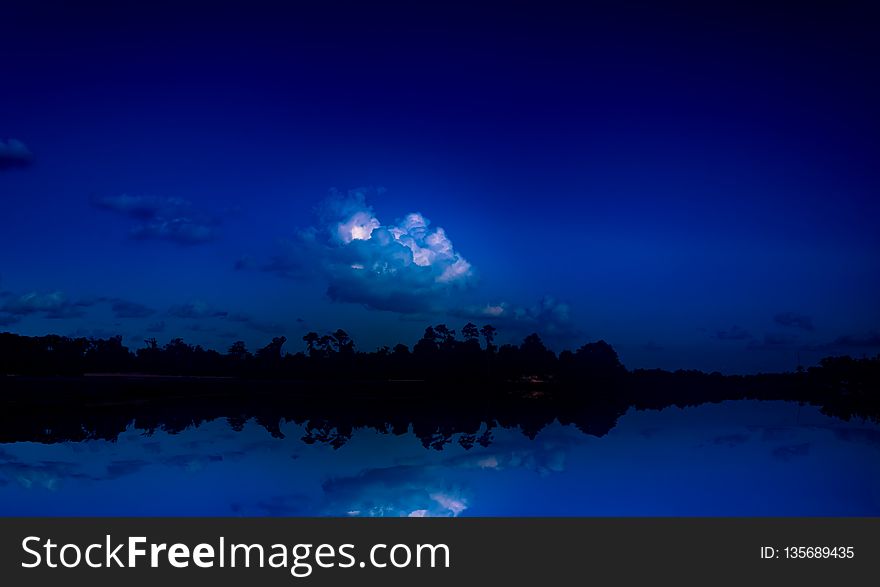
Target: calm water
(734, 458)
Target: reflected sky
(730, 459)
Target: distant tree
(107, 355)
(272, 351)
(327, 345)
(177, 347)
(596, 362)
(428, 343)
(598, 356)
(445, 336)
(488, 331)
(536, 358)
(470, 331)
(344, 343)
(311, 340)
(238, 350)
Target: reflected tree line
(445, 389)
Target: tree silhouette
(344, 343)
(272, 351)
(842, 386)
(238, 351)
(428, 343)
(311, 340)
(445, 336)
(488, 331)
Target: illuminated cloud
(408, 266)
(452, 503)
(397, 491)
(427, 247)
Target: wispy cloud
(733, 333)
(850, 342)
(156, 327)
(127, 309)
(550, 316)
(53, 305)
(14, 153)
(794, 320)
(196, 310)
(171, 219)
(774, 341)
(8, 319)
(264, 326)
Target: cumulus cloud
(407, 266)
(794, 320)
(171, 219)
(410, 267)
(14, 153)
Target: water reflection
(732, 458)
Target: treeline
(445, 385)
(843, 386)
(440, 355)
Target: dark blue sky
(698, 186)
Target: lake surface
(736, 458)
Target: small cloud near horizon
(794, 320)
(850, 342)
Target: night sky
(697, 186)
